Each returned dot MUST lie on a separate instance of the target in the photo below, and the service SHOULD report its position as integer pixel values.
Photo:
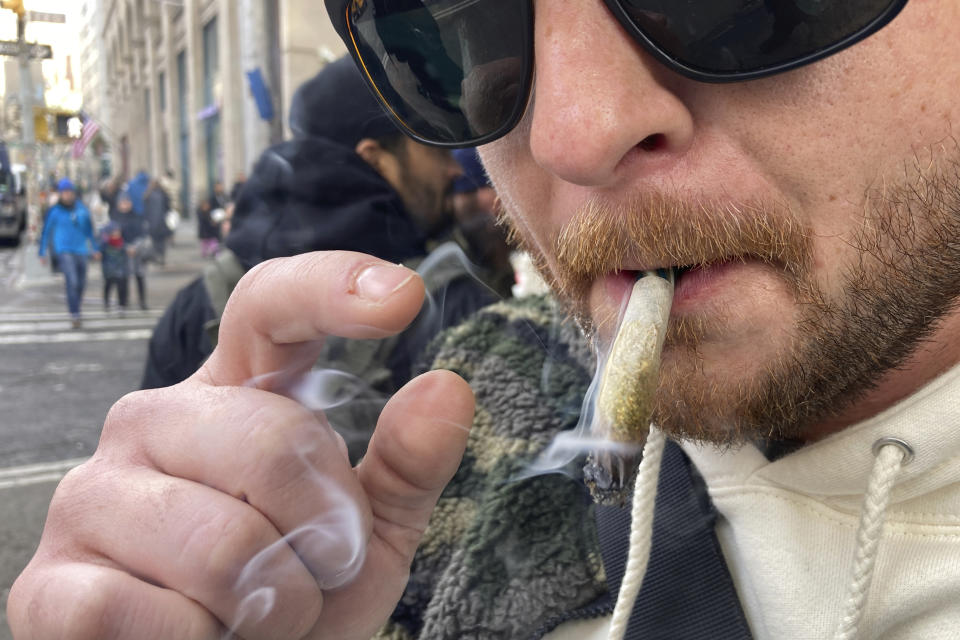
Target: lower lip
(695, 286)
(702, 283)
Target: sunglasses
(456, 73)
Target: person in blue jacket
(69, 228)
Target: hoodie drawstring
(641, 532)
(890, 456)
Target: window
(162, 92)
(211, 99)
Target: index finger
(281, 310)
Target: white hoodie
(788, 528)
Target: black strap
(687, 593)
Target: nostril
(653, 142)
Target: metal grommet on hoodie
(908, 453)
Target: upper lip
(636, 266)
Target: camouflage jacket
(507, 558)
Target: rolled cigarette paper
(629, 383)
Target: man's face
(425, 177)
(125, 206)
(821, 208)
(68, 197)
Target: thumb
(416, 449)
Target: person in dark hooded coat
(156, 204)
(349, 180)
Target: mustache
(656, 230)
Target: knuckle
(36, 604)
(236, 553)
(91, 616)
(127, 415)
(71, 495)
(276, 443)
(258, 277)
(223, 545)
(23, 602)
(319, 267)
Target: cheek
(834, 129)
(828, 134)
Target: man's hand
(96, 256)
(219, 503)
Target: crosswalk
(26, 475)
(25, 328)
(9, 266)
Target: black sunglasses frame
(337, 10)
(882, 20)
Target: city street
(56, 384)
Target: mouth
(674, 273)
(694, 284)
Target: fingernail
(378, 282)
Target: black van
(13, 205)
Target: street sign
(12, 48)
(39, 16)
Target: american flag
(89, 131)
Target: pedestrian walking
(69, 231)
(115, 265)
(156, 205)
(137, 242)
(210, 216)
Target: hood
(312, 194)
(790, 527)
(137, 188)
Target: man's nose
(599, 101)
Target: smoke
(566, 451)
(445, 266)
(324, 389)
(336, 535)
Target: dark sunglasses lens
(453, 71)
(738, 36)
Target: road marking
(30, 474)
(24, 316)
(76, 336)
(62, 325)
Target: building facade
(92, 63)
(179, 80)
